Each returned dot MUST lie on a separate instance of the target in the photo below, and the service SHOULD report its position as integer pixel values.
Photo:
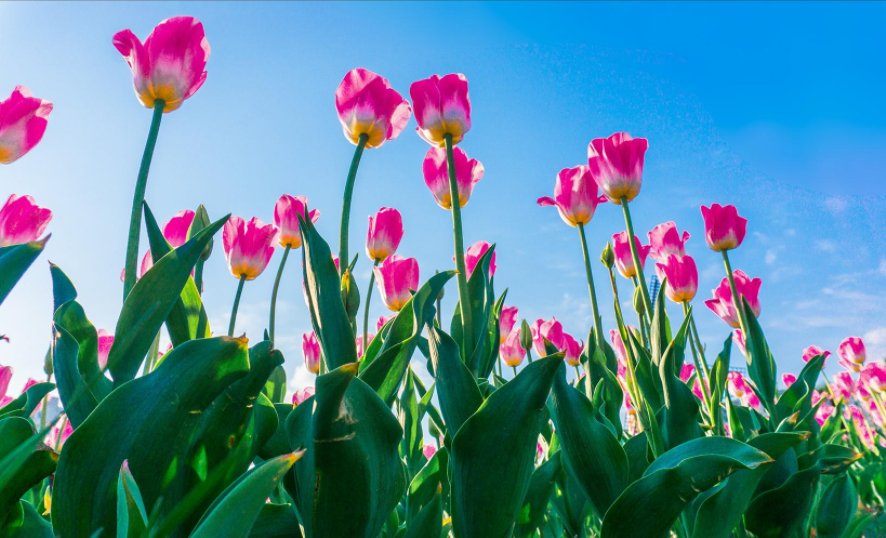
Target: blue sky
(775, 108)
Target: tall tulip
(5, 378)
(873, 377)
(22, 220)
(507, 321)
(724, 228)
(105, 341)
(397, 278)
(23, 121)
(435, 168)
(382, 239)
(550, 330)
(442, 108)
(511, 349)
(624, 260)
(813, 351)
(310, 347)
(571, 350)
(682, 278)
(248, 249)
(473, 255)
(724, 304)
(852, 353)
(665, 240)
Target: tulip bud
(350, 294)
(311, 350)
(201, 221)
(639, 305)
(47, 363)
(607, 257)
(525, 335)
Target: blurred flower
(382, 320)
(23, 121)
(5, 377)
(616, 163)
(873, 377)
(576, 196)
(618, 345)
(57, 436)
(511, 350)
(738, 339)
(739, 388)
(746, 287)
(105, 341)
(550, 330)
(170, 65)
(686, 372)
(397, 278)
(724, 228)
(813, 351)
(287, 212)
(473, 255)
(852, 353)
(665, 240)
(248, 246)
(367, 105)
(22, 220)
(682, 278)
(506, 321)
(571, 350)
(855, 413)
(843, 386)
(436, 173)
(428, 451)
(624, 262)
(310, 347)
(384, 234)
(442, 107)
(824, 412)
(788, 379)
(300, 396)
(361, 348)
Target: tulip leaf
(541, 487)
(795, 398)
(681, 410)
(132, 519)
(836, 507)
(457, 390)
(63, 289)
(761, 366)
(782, 510)
(488, 489)
(482, 299)
(426, 482)
(24, 521)
(276, 521)
(32, 466)
(660, 329)
(14, 261)
(27, 401)
(427, 521)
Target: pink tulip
(724, 228)
(824, 412)
(442, 107)
(862, 427)
(576, 196)
(876, 416)
(813, 351)
(852, 353)
(843, 386)
(571, 350)
(23, 121)
(686, 372)
(367, 105)
(682, 278)
(738, 339)
(105, 341)
(473, 255)
(506, 321)
(384, 234)
(873, 377)
(665, 240)
(740, 389)
(287, 211)
(22, 220)
(361, 348)
(623, 259)
(616, 163)
(248, 246)
(383, 320)
(788, 379)
(618, 345)
(170, 65)
(511, 349)
(397, 278)
(428, 451)
(550, 330)
(57, 436)
(5, 377)
(301, 395)
(310, 348)
(722, 304)
(176, 229)
(436, 172)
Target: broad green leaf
(836, 507)
(276, 521)
(62, 288)
(132, 519)
(535, 504)
(425, 484)
(482, 299)
(27, 401)
(781, 511)
(680, 415)
(275, 388)
(799, 391)
(14, 261)
(489, 355)
(34, 465)
(457, 390)
(427, 521)
(761, 366)
(25, 522)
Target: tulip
(686, 372)
(22, 220)
(382, 321)
(506, 322)
(623, 259)
(5, 377)
(511, 349)
(23, 121)
(176, 229)
(682, 278)
(287, 212)
(442, 108)
(723, 304)
(436, 172)
(248, 246)
(105, 341)
(171, 64)
(384, 234)
(738, 339)
(825, 411)
(576, 196)
(310, 347)
(843, 386)
(852, 353)
(665, 240)
(788, 379)
(873, 377)
(616, 164)
(368, 107)
(428, 451)
(473, 255)
(397, 278)
(813, 351)
(57, 436)
(300, 396)
(571, 350)
(361, 348)
(618, 345)
(740, 388)
(552, 331)
(724, 228)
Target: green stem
(701, 372)
(135, 217)
(236, 305)
(198, 276)
(704, 362)
(645, 335)
(636, 257)
(736, 300)
(464, 301)
(598, 325)
(273, 317)
(346, 204)
(366, 306)
(153, 351)
(515, 370)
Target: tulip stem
(645, 331)
(515, 370)
(700, 368)
(629, 225)
(366, 306)
(153, 351)
(236, 305)
(464, 301)
(736, 300)
(273, 317)
(346, 204)
(135, 217)
(598, 325)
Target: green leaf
(457, 390)
(132, 519)
(719, 372)
(660, 329)
(761, 366)
(63, 289)
(14, 261)
(796, 397)
(836, 507)
(22, 469)
(488, 489)
(541, 487)
(25, 522)
(27, 402)
(482, 299)
(680, 415)
(781, 511)
(425, 484)
(276, 521)
(428, 520)
(275, 388)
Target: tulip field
(636, 429)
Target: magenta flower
(442, 107)
(616, 164)
(57, 436)
(5, 378)
(176, 229)
(738, 339)
(843, 386)
(788, 379)
(23, 121)
(358, 341)
(105, 341)
(382, 320)
(310, 348)
(852, 353)
(397, 278)
(623, 259)
(552, 331)
(22, 220)
(825, 411)
(571, 350)
(576, 196)
(682, 278)
(506, 321)
(511, 349)
(384, 234)
(747, 288)
(740, 389)
(367, 105)
(473, 255)
(248, 246)
(436, 172)
(170, 65)
(813, 351)
(428, 451)
(873, 377)
(300, 396)
(665, 240)
(618, 345)
(287, 211)
(724, 228)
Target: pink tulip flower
(738, 340)
(287, 211)
(301, 395)
(571, 350)
(473, 255)
(873, 377)
(57, 436)
(507, 321)
(397, 278)
(724, 228)
(176, 229)
(843, 386)
(361, 348)
(682, 278)
(384, 234)
(105, 341)
(788, 379)
(616, 164)
(825, 411)
(855, 413)
(686, 372)
(511, 349)
(367, 105)
(248, 246)
(852, 353)
(551, 330)
(23, 121)
(722, 303)
(170, 65)
(618, 345)
(436, 172)
(5, 378)
(624, 262)
(428, 451)
(310, 348)
(813, 351)
(383, 320)
(442, 107)
(576, 196)
(22, 220)
(665, 240)
(740, 389)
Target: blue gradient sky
(773, 107)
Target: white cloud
(826, 245)
(836, 204)
(771, 256)
(875, 343)
(882, 268)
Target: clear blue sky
(776, 108)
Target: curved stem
(464, 300)
(273, 316)
(135, 217)
(736, 300)
(346, 204)
(236, 305)
(629, 225)
(366, 306)
(598, 325)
